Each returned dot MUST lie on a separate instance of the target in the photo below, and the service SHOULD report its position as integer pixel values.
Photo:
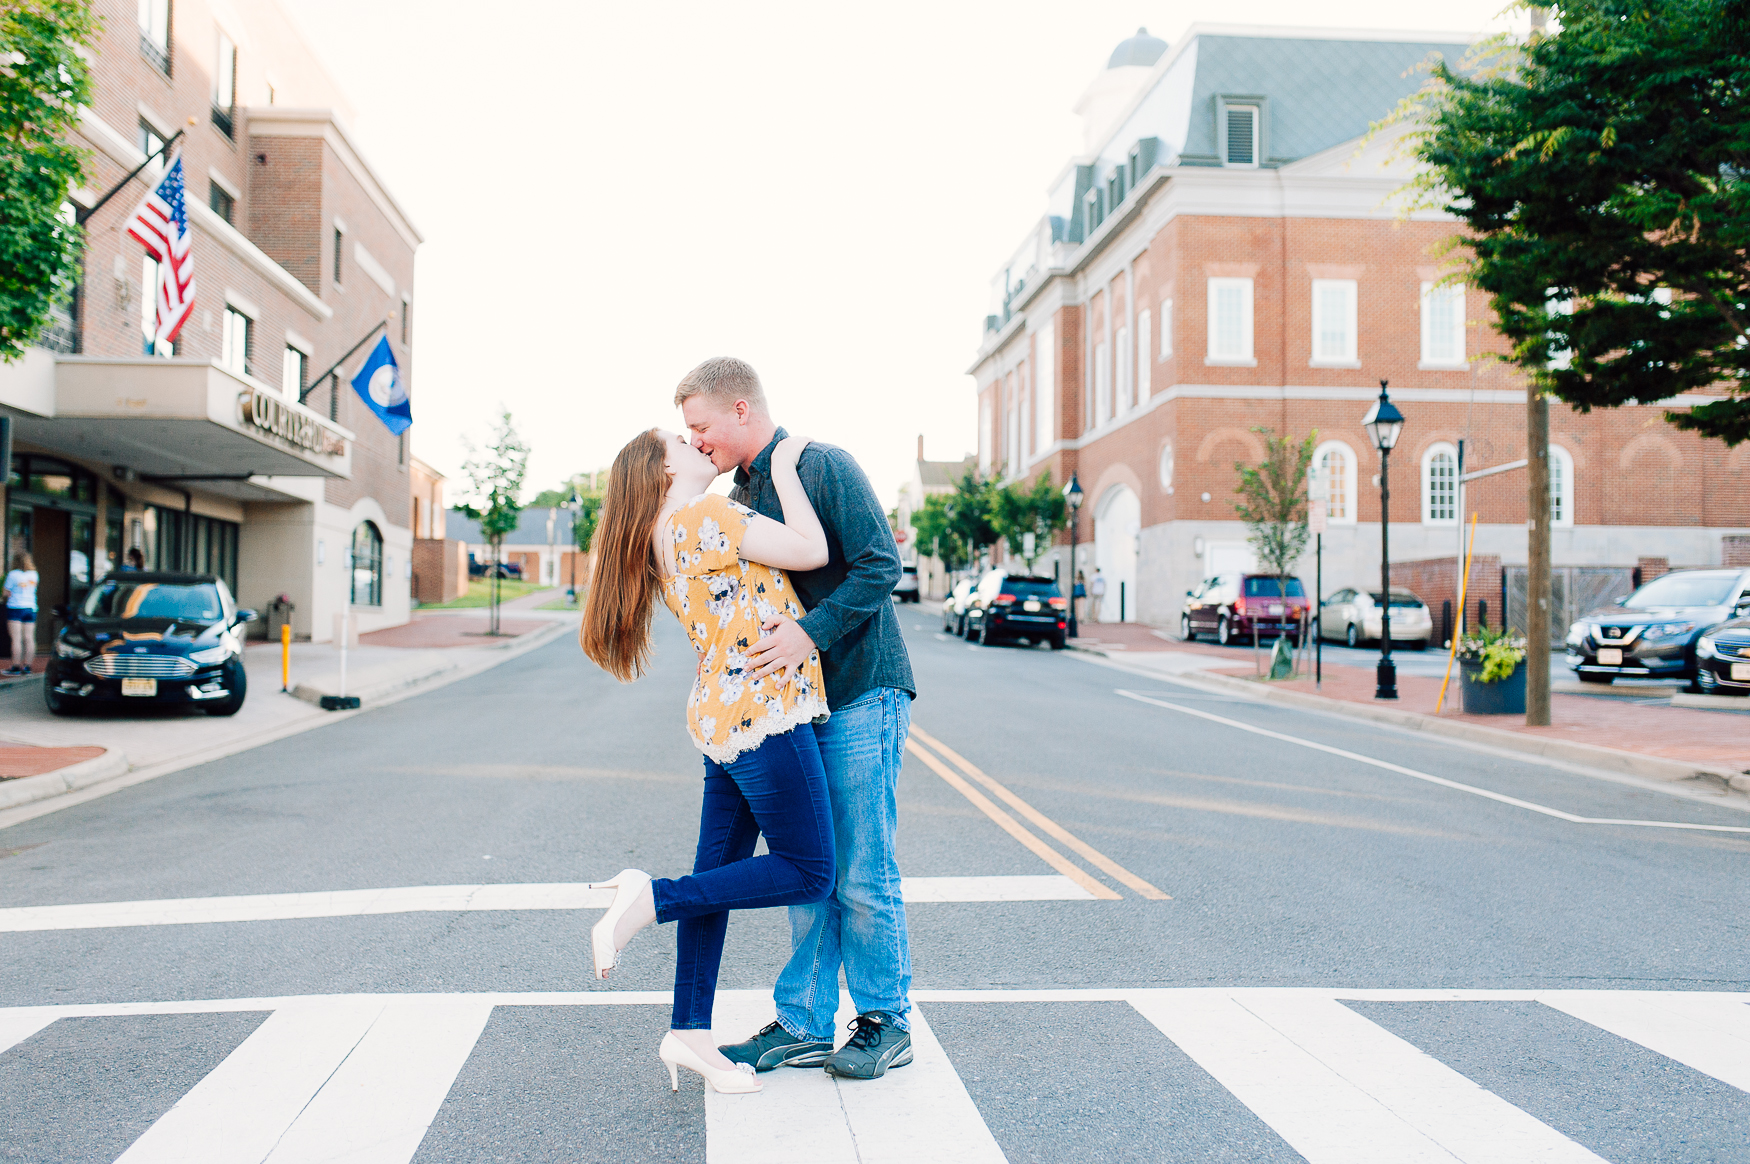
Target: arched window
(1561, 486)
(367, 565)
(1440, 485)
(1333, 479)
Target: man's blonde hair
(723, 380)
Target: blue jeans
(778, 789)
(861, 927)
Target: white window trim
(1348, 358)
(1124, 379)
(1220, 360)
(1428, 456)
(241, 305)
(1166, 328)
(1044, 389)
(224, 184)
(1257, 134)
(1354, 465)
(1144, 358)
(1563, 457)
(1425, 363)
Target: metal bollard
(285, 656)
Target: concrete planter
(1505, 697)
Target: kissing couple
(801, 705)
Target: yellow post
(285, 656)
(1463, 581)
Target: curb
(73, 777)
(1592, 755)
(1711, 702)
(375, 692)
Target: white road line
(919, 1112)
(1442, 781)
(1469, 1122)
(1708, 1034)
(237, 1114)
(19, 1025)
(455, 899)
(377, 1107)
(797, 1119)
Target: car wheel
(1419, 645)
(238, 682)
(1707, 680)
(1585, 678)
(1058, 643)
(968, 632)
(1352, 636)
(985, 638)
(1223, 633)
(60, 704)
(1185, 631)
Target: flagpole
(304, 392)
(83, 214)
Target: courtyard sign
(293, 425)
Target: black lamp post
(1383, 423)
(1072, 493)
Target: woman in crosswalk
(720, 568)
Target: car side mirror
(244, 616)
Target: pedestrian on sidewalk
(1096, 591)
(719, 567)
(18, 593)
(1080, 597)
(861, 928)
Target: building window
(1126, 398)
(1044, 387)
(225, 86)
(1165, 468)
(234, 341)
(1090, 213)
(294, 366)
(1230, 321)
(1166, 328)
(984, 433)
(367, 565)
(1143, 360)
(1440, 485)
(149, 309)
(155, 33)
(1333, 321)
(149, 141)
(1442, 326)
(1239, 135)
(1561, 486)
(1333, 481)
(1102, 383)
(339, 238)
(221, 201)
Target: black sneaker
(873, 1047)
(777, 1047)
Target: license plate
(146, 687)
(1030, 607)
(1610, 656)
(1741, 672)
(1275, 608)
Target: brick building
(927, 478)
(223, 455)
(1226, 255)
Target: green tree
(972, 509)
(1038, 509)
(937, 536)
(1603, 173)
(495, 485)
(44, 81)
(1273, 500)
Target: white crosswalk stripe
(360, 1078)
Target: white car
(1354, 616)
(906, 589)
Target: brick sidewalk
(23, 760)
(448, 631)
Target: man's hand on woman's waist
(786, 647)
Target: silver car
(1354, 615)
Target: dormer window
(1239, 135)
(1090, 213)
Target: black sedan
(1652, 633)
(150, 638)
(1722, 659)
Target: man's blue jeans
(861, 927)
(778, 789)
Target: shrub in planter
(1492, 673)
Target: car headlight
(1666, 630)
(67, 650)
(208, 657)
(1576, 634)
(1704, 647)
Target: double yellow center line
(1039, 820)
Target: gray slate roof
(943, 473)
(531, 529)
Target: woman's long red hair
(622, 589)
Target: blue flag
(379, 384)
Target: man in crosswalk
(869, 688)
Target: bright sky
(610, 193)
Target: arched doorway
(1117, 527)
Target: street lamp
(574, 503)
(1383, 423)
(1072, 493)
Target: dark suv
(1016, 606)
(1652, 633)
(1231, 606)
(157, 638)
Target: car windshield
(1266, 587)
(1696, 589)
(189, 601)
(1030, 588)
(1398, 598)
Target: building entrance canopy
(187, 421)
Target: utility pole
(1537, 588)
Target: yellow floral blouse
(724, 601)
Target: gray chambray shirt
(850, 599)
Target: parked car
(906, 589)
(1017, 606)
(486, 570)
(1354, 615)
(954, 607)
(1231, 606)
(1722, 659)
(150, 637)
(1652, 633)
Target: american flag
(160, 222)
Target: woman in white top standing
(19, 592)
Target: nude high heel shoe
(626, 886)
(739, 1080)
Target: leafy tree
(1273, 502)
(495, 483)
(43, 83)
(1038, 509)
(972, 508)
(1603, 173)
(937, 536)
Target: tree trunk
(1537, 611)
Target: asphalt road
(1421, 920)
